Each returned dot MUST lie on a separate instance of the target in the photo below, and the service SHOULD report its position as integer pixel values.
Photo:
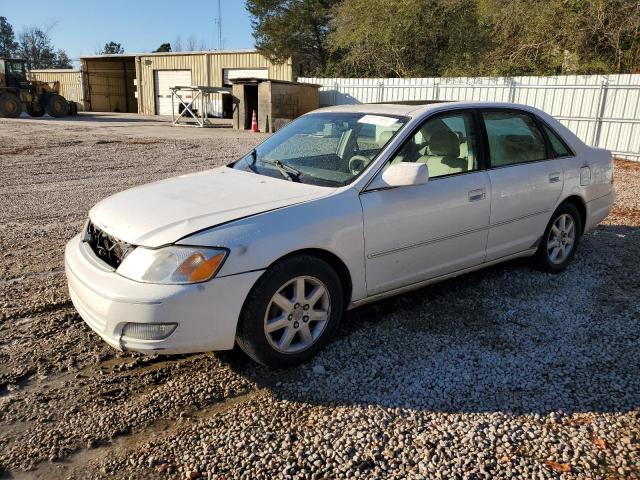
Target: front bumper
(206, 313)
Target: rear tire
(291, 313)
(560, 240)
(57, 106)
(10, 105)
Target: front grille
(107, 248)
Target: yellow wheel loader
(18, 93)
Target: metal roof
(162, 54)
(253, 80)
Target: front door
(420, 232)
(525, 182)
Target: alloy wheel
(562, 236)
(297, 314)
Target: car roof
(418, 110)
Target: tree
(165, 47)
(112, 48)
(609, 35)
(530, 37)
(450, 37)
(421, 38)
(34, 45)
(62, 60)
(177, 44)
(192, 43)
(8, 44)
(293, 29)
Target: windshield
(329, 149)
(16, 67)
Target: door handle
(554, 177)
(477, 195)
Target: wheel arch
(581, 206)
(334, 262)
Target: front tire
(291, 313)
(10, 105)
(560, 240)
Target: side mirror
(401, 174)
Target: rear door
(526, 181)
(163, 81)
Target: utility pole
(218, 22)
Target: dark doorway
(227, 106)
(251, 104)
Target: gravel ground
(502, 373)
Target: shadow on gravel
(125, 118)
(505, 339)
(100, 118)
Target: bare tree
(177, 44)
(34, 45)
(192, 43)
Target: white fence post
(512, 90)
(380, 92)
(602, 103)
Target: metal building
(141, 82)
(70, 82)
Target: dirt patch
(18, 151)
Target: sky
(82, 27)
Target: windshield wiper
(287, 171)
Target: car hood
(162, 212)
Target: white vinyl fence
(603, 110)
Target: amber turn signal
(197, 269)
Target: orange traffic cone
(254, 123)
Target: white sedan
(343, 206)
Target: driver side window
(446, 144)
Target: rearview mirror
(402, 174)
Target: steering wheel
(357, 163)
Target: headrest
(445, 143)
(384, 137)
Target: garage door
(163, 80)
(231, 73)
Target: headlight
(172, 265)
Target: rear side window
(513, 138)
(558, 146)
